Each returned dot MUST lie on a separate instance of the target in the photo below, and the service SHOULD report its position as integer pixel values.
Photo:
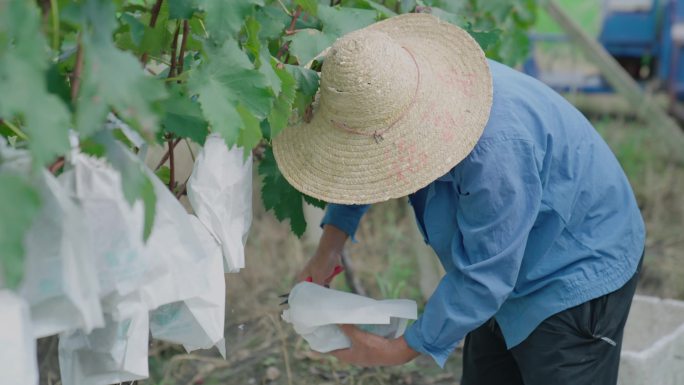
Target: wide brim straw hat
(400, 103)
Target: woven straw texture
(400, 103)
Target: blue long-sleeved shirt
(538, 218)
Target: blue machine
(645, 36)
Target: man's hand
(371, 350)
(320, 267)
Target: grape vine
(180, 69)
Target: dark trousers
(578, 346)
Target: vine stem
(172, 178)
(153, 22)
(165, 157)
(76, 75)
(174, 51)
(181, 55)
(289, 31)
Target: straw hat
(400, 103)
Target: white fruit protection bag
(17, 346)
(174, 245)
(59, 282)
(197, 322)
(113, 228)
(60, 279)
(109, 355)
(220, 192)
(315, 311)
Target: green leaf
(19, 205)
(383, 11)
(23, 83)
(307, 43)
(184, 118)
(307, 85)
(273, 21)
(224, 18)
(135, 183)
(282, 108)
(278, 195)
(252, 45)
(250, 132)
(314, 202)
(487, 39)
(267, 70)
(113, 79)
(309, 6)
(164, 174)
(458, 19)
(338, 21)
(227, 79)
(182, 9)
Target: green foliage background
(180, 69)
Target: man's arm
(499, 199)
(340, 222)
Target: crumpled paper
(17, 346)
(197, 323)
(315, 311)
(113, 228)
(109, 355)
(220, 192)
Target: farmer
(528, 210)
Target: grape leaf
(305, 44)
(338, 21)
(266, 68)
(314, 202)
(383, 11)
(227, 79)
(182, 9)
(19, 205)
(113, 79)
(184, 118)
(224, 18)
(23, 83)
(307, 85)
(164, 174)
(309, 6)
(252, 45)
(250, 132)
(278, 195)
(273, 21)
(282, 108)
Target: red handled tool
(337, 270)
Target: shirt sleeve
(499, 193)
(344, 217)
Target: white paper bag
(18, 364)
(174, 245)
(113, 228)
(109, 355)
(59, 282)
(220, 192)
(60, 279)
(315, 311)
(197, 323)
